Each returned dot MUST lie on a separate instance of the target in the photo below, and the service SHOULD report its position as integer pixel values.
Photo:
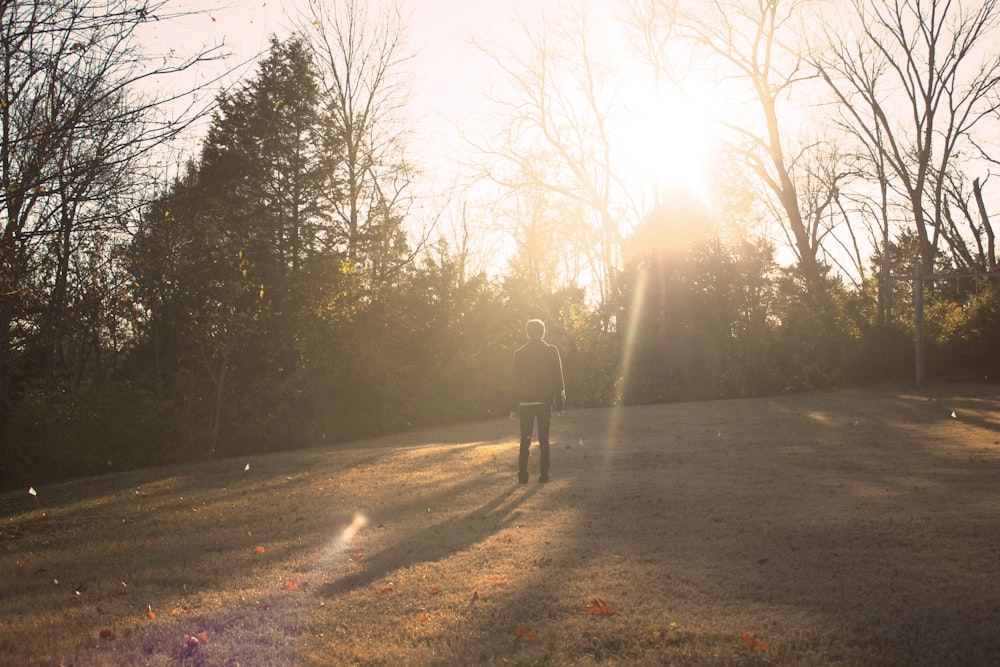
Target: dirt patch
(847, 527)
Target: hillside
(846, 527)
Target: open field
(853, 527)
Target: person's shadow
(436, 542)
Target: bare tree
(360, 57)
(915, 81)
(555, 136)
(754, 46)
(965, 216)
(987, 227)
(77, 121)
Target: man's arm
(512, 399)
(560, 398)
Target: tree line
(276, 292)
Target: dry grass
(856, 527)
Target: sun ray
(628, 349)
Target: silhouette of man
(537, 388)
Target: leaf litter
(600, 520)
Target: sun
(668, 135)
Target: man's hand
(513, 415)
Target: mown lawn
(853, 527)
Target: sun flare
(669, 135)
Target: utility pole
(918, 322)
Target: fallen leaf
(358, 555)
(260, 549)
(386, 589)
(203, 636)
(423, 618)
(107, 634)
(291, 586)
(435, 591)
(752, 642)
(525, 633)
(150, 613)
(475, 596)
(599, 607)
(31, 491)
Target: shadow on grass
(843, 528)
(437, 541)
(854, 527)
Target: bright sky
(668, 138)
(447, 66)
(451, 76)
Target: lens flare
(359, 522)
(631, 332)
(631, 323)
(343, 540)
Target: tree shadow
(859, 525)
(436, 542)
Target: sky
(447, 66)
(450, 76)
(450, 72)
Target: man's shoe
(522, 479)
(543, 479)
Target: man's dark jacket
(538, 376)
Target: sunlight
(359, 522)
(669, 135)
(345, 539)
(628, 347)
(347, 536)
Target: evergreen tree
(231, 257)
(265, 171)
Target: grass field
(852, 527)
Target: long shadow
(757, 507)
(437, 541)
(845, 526)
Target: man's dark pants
(529, 414)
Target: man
(537, 387)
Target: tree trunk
(991, 249)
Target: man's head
(535, 329)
